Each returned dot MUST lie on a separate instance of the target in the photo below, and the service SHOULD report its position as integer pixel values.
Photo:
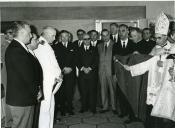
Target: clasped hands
(59, 79)
(86, 70)
(67, 70)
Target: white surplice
(155, 74)
(160, 91)
(51, 70)
(165, 102)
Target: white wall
(70, 25)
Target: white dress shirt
(94, 43)
(126, 42)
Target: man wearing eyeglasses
(88, 61)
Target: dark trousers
(79, 87)
(36, 115)
(89, 90)
(124, 105)
(65, 94)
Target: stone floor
(99, 120)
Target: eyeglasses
(86, 39)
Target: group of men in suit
(87, 61)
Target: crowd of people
(43, 71)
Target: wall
(70, 25)
(74, 15)
(153, 8)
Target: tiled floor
(88, 120)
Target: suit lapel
(17, 44)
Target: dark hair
(104, 30)
(18, 25)
(114, 24)
(80, 30)
(124, 25)
(146, 29)
(93, 31)
(172, 25)
(64, 31)
(172, 32)
(135, 29)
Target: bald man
(51, 76)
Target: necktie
(114, 38)
(79, 43)
(65, 45)
(106, 48)
(124, 45)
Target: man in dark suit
(94, 36)
(124, 47)
(77, 44)
(88, 61)
(145, 45)
(39, 76)
(21, 95)
(66, 57)
(114, 32)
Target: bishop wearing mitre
(160, 90)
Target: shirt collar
(126, 42)
(115, 35)
(86, 47)
(23, 45)
(108, 43)
(65, 43)
(80, 42)
(93, 43)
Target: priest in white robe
(51, 76)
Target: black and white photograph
(87, 64)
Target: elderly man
(159, 94)
(51, 76)
(21, 94)
(88, 61)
